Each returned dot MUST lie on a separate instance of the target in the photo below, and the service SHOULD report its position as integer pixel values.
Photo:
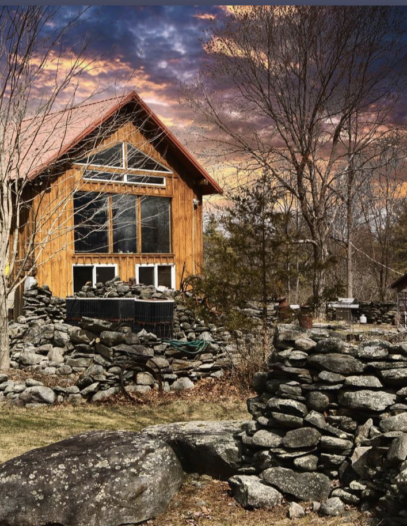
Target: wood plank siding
(53, 211)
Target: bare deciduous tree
(292, 79)
(39, 86)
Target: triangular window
(111, 157)
(137, 160)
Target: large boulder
(211, 448)
(100, 478)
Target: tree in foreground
(293, 79)
(42, 67)
(246, 255)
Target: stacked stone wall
(329, 423)
(84, 362)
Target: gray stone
(61, 339)
(104, 351)
(335, 443)
(264, 438)
(286, 335)
(345, 496)
(39, 395)
(368, 400)
(206, 447)
(303, 486)
(305, 344)
(332, 507)
(104, 395)
(394, 423)
(291, 407)
(56, 355)
(331, 378)
(301, 438)
(112, 338)
(31, 382)
(251, 492)
(182, 384)
(31, 358)
(145, 379)
(92, 479)
(363, 381)
(295, 511)
(79, 362)
(90, 389)
(317, 401)
(289, 421)
(398, 450)
(307, 463)
(336, 363)
(394, 377)
(64, 370)
(372, 351)
(330, 345)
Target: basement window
(156, 274)
(83, 274)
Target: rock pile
(86, 360)
(329, 424)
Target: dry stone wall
(85, 361)
(329, 424)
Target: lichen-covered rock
(38, 395)
(332, 507)
(251, 492)
(303, 486)
(365, 399)
(93, 479)
(336, 363)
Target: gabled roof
(61, 132)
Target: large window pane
(91, 222)
(139, 161)
(155, 225)
(111, 157)
(124, 223)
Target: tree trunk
(349, 255)
(319, 276)
(4, 338)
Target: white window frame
(156, 265)
(94, 266)
(124, 179)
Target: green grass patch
(24, 429)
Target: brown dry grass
(207, 502)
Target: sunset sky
(150, 49)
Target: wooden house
(116, 194)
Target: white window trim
(156, 265)
(94, 266)
(125, 181)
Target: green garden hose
(193, 348)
